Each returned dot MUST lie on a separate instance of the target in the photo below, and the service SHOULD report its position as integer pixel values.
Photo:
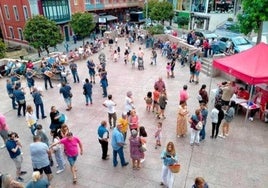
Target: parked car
(240, 43)
(168, 30)
(206, 34)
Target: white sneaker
(221, 136)
(59, 171)
(3, 146)
(142, 160)
(250, 118)
(226, 135)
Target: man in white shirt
(110, 105)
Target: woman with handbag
(169, 158)
(196, 125)
(135, 152)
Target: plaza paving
(235, 162)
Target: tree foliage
(160, 11)
(2, 49)
(82, 24)
(42, 33)
(254, 13)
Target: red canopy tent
(250, 66)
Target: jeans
(33, 128)
(88, 97)
(104, 147)
(14, 105)
(120, 152)
(104, 91)
(110, 117)
(194, 136)
(202, 133)
(75, 76)
(23, 106)
(41, 106)
(215, 127)
(59, 158)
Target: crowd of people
(66, 146)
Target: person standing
(71, 144)
(3, 129)
(160, 84)
(31, 119)
(204, 113)
(154, 56)
(169, 157)
(104, 83)
(110, 105)
(10, 90)
(123, 121)
(129, 103)
(73, 67)
(214, 120)
(117, 145)
(198, 67)
(162, 105)
(65, 90)
(184, 96)
(45, 70)
(91, 70)
(227, 93)
(40, 154)
(13, 146)
(37, 98)
(20, 98)
(58, 152)
(182, 119)
(135, 153)
(103, 136)
(199, 182)
(195, 119)
(87, 87)
(228, 118)
(30, 79)
(203, 94)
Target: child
(149, 101)
(126, 57)
(133, 59)
(158, 134)
(115, 56)
(58, 152)
(168, 67)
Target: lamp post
(146, 12)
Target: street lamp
(146, 12)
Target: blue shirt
(19, 95)
(168, 159)
(117, 137)
(9, 88)
(88, 88)
(101, 131)
(65, 91)
(11, 144)
(41, 183)
(37, 98)
(39, 154)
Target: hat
(134, 133)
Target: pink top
(70, 146)
(3, 124)
(183, 95)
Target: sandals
(74, 180)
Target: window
(16, 14)
(20, 33)
(97, 1)
(25, 11)
(75, 2)
(7, 12)
(88, 1)
(11, 32)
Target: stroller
(140, 64)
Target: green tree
(42, 33)
(2, 49)
(254, 13)
(160, 11)
(82, 24)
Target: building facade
(14, 14)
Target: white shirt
(129, 104)
(110, 105)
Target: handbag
(143, 147)
(71, 95)
(199, 125)
(22, 101)
(62, 118)
(175, 168)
